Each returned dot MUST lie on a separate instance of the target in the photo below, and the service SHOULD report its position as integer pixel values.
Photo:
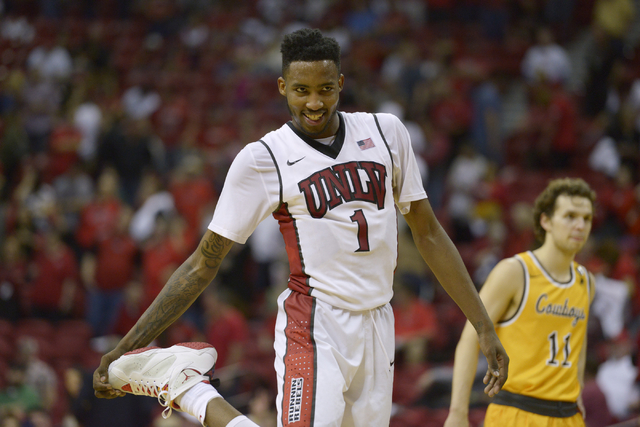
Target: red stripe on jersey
(298, 280)
(299, 361)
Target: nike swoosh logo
(289, 163)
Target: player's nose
(314, 102)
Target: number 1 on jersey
(363, 230)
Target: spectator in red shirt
(170, 244)
(415, 324)
(170, 121)
(193, 193)
(107, 274)
(130, 309)
(226, 327)
(54, 292)
(415, 327)
(63, 149)
(552, 126)
(99, 218)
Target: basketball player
(333, 180)
(539, 301)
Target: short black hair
(308, 45)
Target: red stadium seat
(35, 328)
(4, 367)
(69, 347)
(6, 328)
(76, 327)
(7, 348)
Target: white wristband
(241, 421)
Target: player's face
(313, 91)
(570, 224)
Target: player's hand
(457, 419)
(498, 361)
(101, 385)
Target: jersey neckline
(548, 275)
(328, 150)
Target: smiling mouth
(314, 117)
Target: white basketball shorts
(334, 366)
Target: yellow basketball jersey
(544, 337)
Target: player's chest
(551, 304)
(319, 184)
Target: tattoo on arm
(214, 249)
(181, 290)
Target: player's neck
(555, 262)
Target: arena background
(120, 118)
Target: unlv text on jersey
(330, 187)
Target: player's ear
(341, 81)
(282, 86)
(545, 222)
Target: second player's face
(570, 224)
(313, 90)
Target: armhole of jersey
(585, 273)
(375, 117)
(279, 176)
(525, 294)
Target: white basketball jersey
(335, 204)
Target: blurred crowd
(119, 119)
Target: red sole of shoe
(195, 345)
(192, 345)
(140, 350)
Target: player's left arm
(444, 260)
(582, 361)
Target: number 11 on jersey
(554, 347)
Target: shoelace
(163, 399)
(161, 391)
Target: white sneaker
(164, 373)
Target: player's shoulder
(277, 135)
(509, 268)
(506, 279)
(585, 275)
(388, 119)
(582, 270)
(255, 154)
(376, 119)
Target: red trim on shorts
(298, 280)
(299, 362)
